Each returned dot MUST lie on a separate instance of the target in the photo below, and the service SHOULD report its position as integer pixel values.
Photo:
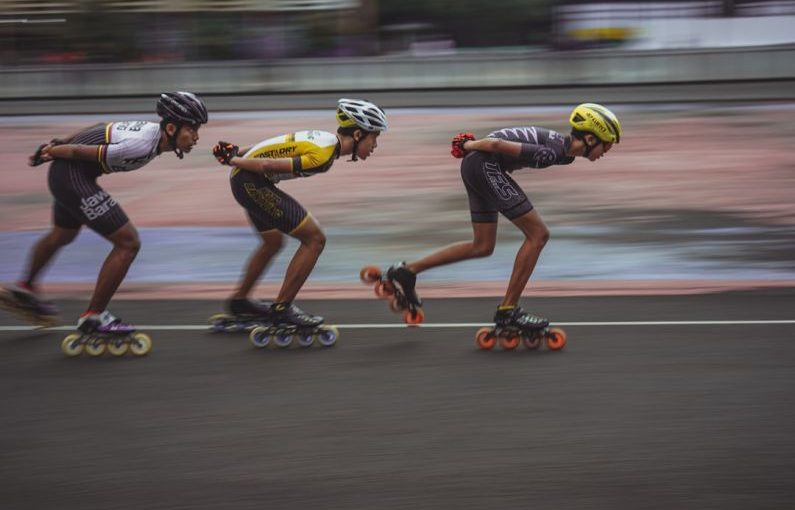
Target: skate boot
(97, 333)
(517, 318)
(288, 323)
(397, 285)
(24, 303)
(242, 315)
(513, 325)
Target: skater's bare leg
(482, 245)
(313, 240)
(272, 242)
(125, 247)
(44, 250)
(536, 236)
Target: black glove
(225, 151)
(36, 159)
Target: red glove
(224, 152)
(457, 149)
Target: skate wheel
(95, 347)
(384, 290)
(532, 342)
(327, 336)
(218, 322)
(259, 337)
(484, 339)
(413, 318)
(510, 343)
(283, 341)
(394, 305)
(140, 344)
(556, 339)
(71, 345)
(118, 347)
(370, 274)
(306, 341)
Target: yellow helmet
(598, 120)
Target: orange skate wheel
(384, 290)
(370, 274)
(413, 319)
(556, 339)
(394, 306)
(510, 343)
(484, 339)
(532, 342)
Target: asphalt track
(656, 403)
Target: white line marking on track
(194, 327)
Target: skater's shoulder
(132, 129)
(316, 137)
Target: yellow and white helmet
(598, 120)
(361, 114)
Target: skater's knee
(127, 240)
(539, 236)
(131, 245)
(544, 236)
(316, 241)
(482, 250)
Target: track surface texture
(653, 416)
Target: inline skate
(27, 306)
(289, 323)
(515, 326)
(397, 285)
(98, 333)
(243, 315)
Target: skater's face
(187, 136)
(598, 149)
(367, 143)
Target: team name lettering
(277, 153)
(97, 205)
(499, 183)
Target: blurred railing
(487, 69)
(39, 7)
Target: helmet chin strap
(172, 140)
(588, 148)
(354, 156)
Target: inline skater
(76, 164)
(485, 170)
(255, 172)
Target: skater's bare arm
(65, 151)
(497, 145)
(266, 166)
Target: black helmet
(182, 108)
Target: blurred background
(699, 189)
(175, 31)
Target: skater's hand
(458, 142)
(42, 154)
(225, 151)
